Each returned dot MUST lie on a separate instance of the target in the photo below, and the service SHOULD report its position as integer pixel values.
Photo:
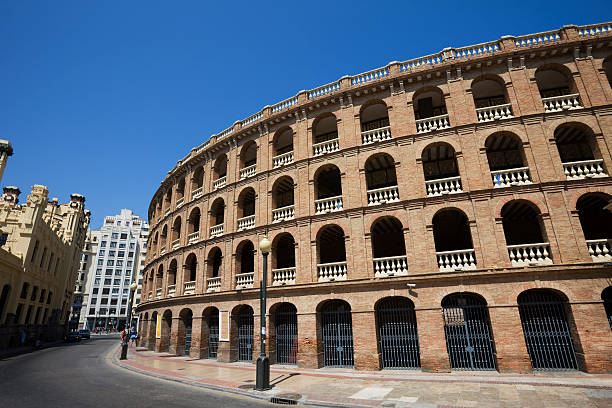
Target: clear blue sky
(103, 97)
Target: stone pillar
(509, 340)
(151, 337)
(178, 335)
(174, 338)
(591, 335)
(432, 343)
(364, 341)
(310, 353)
(197, 338)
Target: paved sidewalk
(393, 388)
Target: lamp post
(128, 323)
(262, 373)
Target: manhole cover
(246, 387)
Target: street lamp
(128, 323)
(262, 373)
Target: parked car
(84, 333)
(71, 337)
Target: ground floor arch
(398, 339)
(337, 334)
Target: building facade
(442, 213)
(82, 287)
(116, 263)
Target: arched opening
(220, 172)
(331, 252)
(159, 281)
(172, 269)
(6, 291)
(557, 89)
(246, 209)
(467, 328)
(524, 232)
(606, 296)
(190, 274)
(282, 146)
(243, 322)
(328, 189)
(176, 231)
(579, 152)
(336, 334)
(164, 239)
(490, 98)
(282, 199)
(193, 225)
(155, 241)
(245, 257)
(248, 159)
(596, 223)
(546, 329)
(381, 179)
(441, 170)
(453, 241)
(506, 160)
(168, 200)
(388, 247)
(283, 260)
(210, 330)
(184, 332)
(398, 339)
(213, 274)
(180, 192)
(607, 67)
(197, 182)
(166, 331)
(152, 331)
(325, 134)
(217, 216)
(430, 110)
(374, 123)
(283, 333)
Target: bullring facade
(447, 212)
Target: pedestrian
(133, 338)
(123, 335)
(22, 337)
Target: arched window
(193, 225)
(197, 181)
(430, 110)
(523, 229)
(183, 340)
(248, 159)
(282, 199)
(453, 240)
(331, 253)
(596, 224)
(606, 296)
(164, 239)
(283, 260)
(213, 272)
(246, 209)
(607, 67)
(579, 152)
(282, 145)
(217, 215)
(180, 192)
(166, 331)
(245, 257)
(557, 89)
(506, 160)
(388, 248)
(328, 189)
(190, 274)
(220, 172)
(441, 170)
(176, 232)
(381, 179)
(168, 200)
(374, 123)
(172, 269)
(489, 93)
(325, 135)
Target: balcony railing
(584, 169)
(282, 159)
(283, 276)
(216, 231)
(333, 271)
(459, 260)
(246, 223)
(376, 135)
(179, 202)
(248, 171)
(497, 112)
(189, 288)
(325, 147)
(438, 187)
(245, 280)
(561, 103)
(176, 243)
(162, 250)
(197, 193)
(167, 212)
(158, 293)
(433, 123)
(383, 195)
(511, 177)
(530, 254)
(220, 182)
(391, 266)
(283, 213)
(600, 249)
(327, 205)
(193, 237)
(213, 284)
(171, 290)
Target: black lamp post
(262, 373)
(128, 324)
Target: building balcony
(197, 193)
(282, 159)
(162, 250)
(327, 205)
(283, 214)
(175, 244)
(391, 266)
(193, 238)
(171, 290)
(245, 280)
(329, 272)
(246, 223)
(180, 202)
(433, 123)
(220, 182)
(530, 254)
(438, 187)
(383, 195)
(216, 231)
(189, 288)
(329, 146)
(248, 171)
(561, 103)
(283, 276)
(460, 260)
(158, 293)
(511, 177)
(579, 170)
(213, 284)
(600, 249)
(376, 135)
(492, 113)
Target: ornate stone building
(445, 212)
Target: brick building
(446, 212)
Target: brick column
(151, 340)
(364, 341)
(310, 353)
(591, 334)
(432, 343)
(509, 340)
(161, 345)
(178, 335)
(174, 337)
(196, 338)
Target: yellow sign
(158, 327)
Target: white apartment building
(82, 287)
(144, 236)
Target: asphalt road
(78, 375)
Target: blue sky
(102, 98)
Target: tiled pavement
(342, 387)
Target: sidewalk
(388, 388)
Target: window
(120, 262)
(115, 291)
(94, 301)
(118, 222)
(3, 239)
(124, 236)
(101, 252)
(34, 251)
(92, 311)
(42, 295)
(122, 310)
(125, 291)
(103, 311)
(111, 253)
(138, 291)
(117, 272)
(18, 312)
(132, 245)
(100, 262)
(86, 258)
(24, 290)
(113, 244)
(117, 282)
(126, 282)
(98, 271)
(105, 291)
(113, 302)
(103, 244)
(144, 245)
(34, 293)
(114, 235)
(49, 298)
(109, 272)
(129, 264)
(95, 291)
(104, 301)
(97, 281)
(123, 301)
(131, 254)
(122, 245)
(110, 262)
(121, 254)
(107, 281)
(128, 272)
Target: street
(78, 374)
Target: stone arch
(220, 167)
(489, 90)
(283, 333)
(217, 212)
(428, 102)
(248, 154)
(554, 80)
(283, 251)
(176, 229)
(324, 128)
(283, 190)
(374, 114)
(183, 337)
(282, 141)
(190, 268)
(380, 171)
(245, 257)
(246, 202)
(387, 237)
(328, 181)
(214, 262)
(335, 333)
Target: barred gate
(549, 341)
(468, 333)
(245, 335)
(213, 334)
(187, 337)
(397, 334)
(169, 334)
(606, 296)
(286, 334)
(337, 328)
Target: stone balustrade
(327, 205)
(162, 250)
(197, 193)
(511, 177)
(370, 76)
(497, 112)
(175, 244)
(433, 123)
(460, 260)
(561, 103)
(216, 230)
(213, 284)
(283, 276)
(283, 214)
(531, 40)
(171, 290)
(324, 90)
(282, 159)
(167, 212)
(600, 249)
(248, 171)
(193, 238)
(158, 293)
(333, 271)
(325, 147)
(180, 202)
(383, 195)
(245, 280)
(245, 223)
(584, 169)
(530, 254)
(376, 135)
(391, 266)
(189, 288)
(220, 182)
(438, 187)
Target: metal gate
(187, 337)
(169, 334)
(547, 335)
(468, 333)
(606, 296)
(286, 334)
(397, 334)
(213, 334)
(337, 334)
(245, 336)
